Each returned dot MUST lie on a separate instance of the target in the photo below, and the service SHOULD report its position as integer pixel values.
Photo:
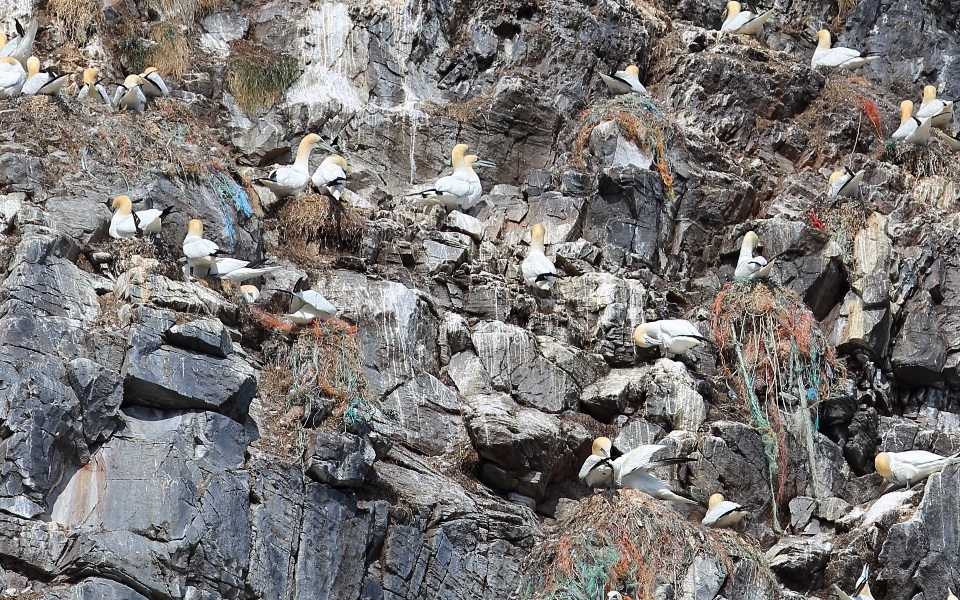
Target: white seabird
(126, 223)
(92, 81)
(12, 77)
(673, 335)
(722, 513)
(129, 95)
(941, 112)
(950, 595)
(237, 271)
(307, 305)
(632, 470)
(912, 129)
(199, 252)
(249, 293)
(845, 183)
(462, 189)
(744, 22)
(862, 587)
(952, 141)
(331, 176)
(292, 179)
(43, 83)
(625, 82)
(907, 468)
(153, 84)
(21, 47)
(838, 57)
(749, 266)
(538, 271)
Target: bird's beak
(484, 163)
(327, 147)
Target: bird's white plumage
(723, 514)
(837, 57)
(200, 252)
(625, 82)
(744, 22)
(538, 271)
(632, 470)
(673, 335)
(20, 48)
(12, 78)
(952, 142)
(41, 82)
(862, 587)
(123, 224)
(129, 95)
(461, 190)
(153, 84)
(910, 467)
(292, 179)
(749, 266)
(846, 185)
(308, 305)
(939, 111)
(245, 273)
(914, 131)
(330, 176)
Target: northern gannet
(126, 223)
(616, 596)
(307, 305)
(907, 468)
(950, 140)
(939, 111)
(838, 57)
(249, 293)
(199, 252)
(237, 271)
(44, 83)
(538, 270)
(153, 85)
(331, 176)
(21, 47)
(950, 595)
(845, 183)
(129, 95)
(722, 513)
(743, 21)
(630, 470)
(625, 82)
(292, 179)
(673, 335)
(912, 129)
(12, 77)
(460, 190)
(749, 266)
(862, 587)
(92, 81)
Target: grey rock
(100, 394)
(855, 326)
(468, 375)
(799, 562)
(94, 588)
(638, 432)
(802, 510)
(208, 336)
(461, 223)
(341, 460)
(672, 400)
(920, 351)
(610, 395)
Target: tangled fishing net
(774, 356)
(629, 542)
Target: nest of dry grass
(628, 542)
(257, 76)
(773, 355)
(313, 219)
(843, 219)
(640, 121)
(77, 20)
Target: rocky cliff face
(161, 439)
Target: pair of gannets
(846, 184)
(631, 470)
(838, 57)
(462, 189)
(538, 271)
(722, 513)
(202, 258)
(292, 179)
(862, 589)
(912, 129)
(132, 94)
(673, 335)
(127, 223)
(744, 22)
(21, 47)
(908, 468)
(749, 266)
(625, 82)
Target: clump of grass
(133, 51)
(185, 12)
(629, 542)
(314, 219)
(76, 19)
(258, 78)
(171, 53)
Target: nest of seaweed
(629, 542)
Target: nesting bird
(722, 513)
(912, 129)
(749, 266)
(236, 270)
(153, 84)
(199, 251)
(632, 470)
(293, 179)
(91, 81)
(129, 95)
(249, 293)
(837, 57)
(43, 83)
(331, 176)
(307, 305)
(673, 335)
(21, 47)
(625, 82)
(952, 141)
(127, 223)
(845, 183)
(538, 271)
(938, 111)
(907, 468)
(744, 22)
(12, 77)
(862, 587)
(460, 190)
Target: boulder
(342, 460)
(920, 351)
(207, 336)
